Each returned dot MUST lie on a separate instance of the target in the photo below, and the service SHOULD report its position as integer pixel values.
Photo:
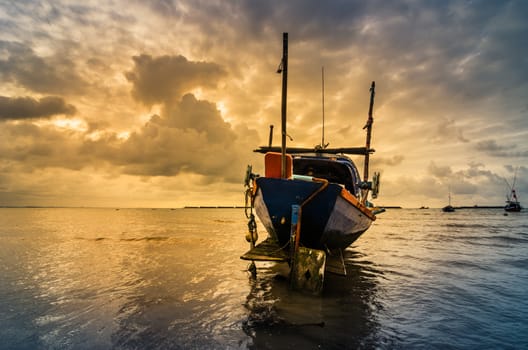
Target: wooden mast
(284, 70)
(368, 126)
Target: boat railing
(302, 150)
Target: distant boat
(512, 202)
(449, 208)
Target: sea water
(172, 279)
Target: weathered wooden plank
(267, 250)
(299, 150)
(335, 263)
(307, 273)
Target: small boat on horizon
(512, 202)
(448, 208)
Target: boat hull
(448, 209)
(513, 207)
(331, 217)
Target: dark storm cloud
(447, 129)
(492, 148)
(165, 78)
(439, 171)
(475, 169)
(37, 147)
(464, 52)
(313, 20)
(389, 161)
(28, 107)
(166, 8)
(461, 51)
(50, 75)
(467, 180)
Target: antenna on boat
(513, 194)
(511, 187)
(323, 145)
(283, 68)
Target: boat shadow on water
(344, 316)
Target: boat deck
(267, 250)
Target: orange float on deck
(272, 164)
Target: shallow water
(141, 278)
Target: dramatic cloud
(392, 161)
(165, 78)
(43, 147)
(507, 149)
(48, 75)
(144, 101)
(28, 107)
(189, 132)
(439, 171)
(154, 150)
(171, 144)
(447, 130)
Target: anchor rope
(252, 224)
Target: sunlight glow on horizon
(82, 84)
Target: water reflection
(343, 317)
(95, 278)
(192, 294)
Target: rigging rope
(252, 235)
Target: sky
(129, 103)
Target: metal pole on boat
(270, 140)
(284, 70)
(368, 126)
(322, 97)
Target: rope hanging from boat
(252, 235)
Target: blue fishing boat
(310, 200)
(326, 187)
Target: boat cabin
(338, 170)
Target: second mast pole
(283, 104)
